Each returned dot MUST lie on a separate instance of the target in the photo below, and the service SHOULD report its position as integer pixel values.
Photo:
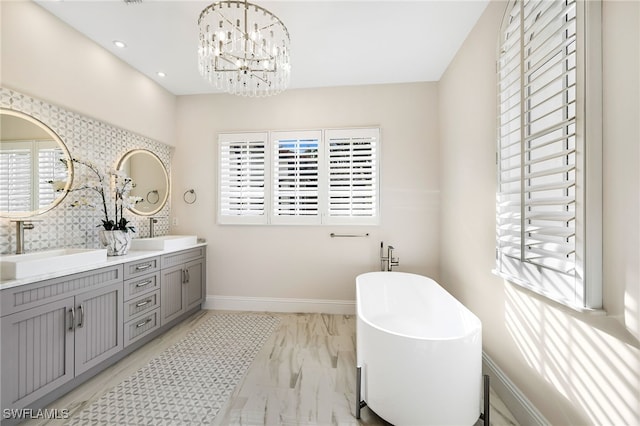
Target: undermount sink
(17, 266)
(165, 242)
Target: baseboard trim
(270, 304)
(521, 408)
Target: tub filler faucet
(388, 262)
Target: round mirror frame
(161, 201)
(61, 144)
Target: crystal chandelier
(243, 49)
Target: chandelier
(243, 49)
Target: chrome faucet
(392, 261)
(387, 262)
(21, 225)
(152, 230)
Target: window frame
(583, 291)
(270, 216)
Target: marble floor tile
(303, 375)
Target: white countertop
(132, 256)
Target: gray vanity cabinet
(57, 332)
(54, 330)
(181, 282)
(98, 328)
(142, 299)
(37, 352)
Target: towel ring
(192, 199)
(153, 191)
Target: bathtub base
(484, 416)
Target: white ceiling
(333, 43)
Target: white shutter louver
(353, 175)
(539, 180)
(242, 178)
(296, 176)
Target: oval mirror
(150, 180)
(36, 171)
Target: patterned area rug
(189, 382)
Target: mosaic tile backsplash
(86, 139)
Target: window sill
(536, 292)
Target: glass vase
(117, 243)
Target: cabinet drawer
(141, 267)
(136, 307)
(43, 292)
(184, 256)
(138, 286)
(140, 327)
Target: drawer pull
(143, 323)
(143, 303)
(143, 283)
(143, 267)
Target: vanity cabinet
(54, 330)
(181, 282)
(57, 332)
(142, 299)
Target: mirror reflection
(35, 166)
(150, 180)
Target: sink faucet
(21, 225)
(152, 231)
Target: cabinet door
(172, 302)
(99, 323)
(37, 352)
(193, 286)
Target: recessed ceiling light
(120, 44)
(161, 74)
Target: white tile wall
(88, 139)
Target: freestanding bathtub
(419, 351)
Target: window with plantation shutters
(296, 176)
(299, 177)
(353, 175)
(542, 154)
(242, 178)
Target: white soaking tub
(419, 351)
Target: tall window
(296, 176)
(241, 186)
(353, 175)
(299, 177)
(549, 176)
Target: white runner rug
(189, 382)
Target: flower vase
(117, 243)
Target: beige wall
(575, 368)
(300, 261)
(436, 137)
(43, 57)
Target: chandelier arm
(229, 55)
